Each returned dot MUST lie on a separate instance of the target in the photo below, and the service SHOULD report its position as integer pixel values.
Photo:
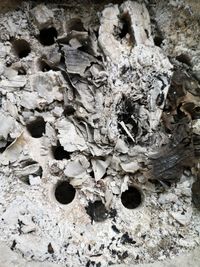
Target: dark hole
(125, 239)
(131, 198)
(75, 24)
(37, 127)
(59, 153)
(196, 75)
(64, 192)
(97, 211)
(69, 110)
(195, 112)
(126, 28)
(158, 40)
(21, 71)
(40, 171)
(92, 174)
(22, 48)
(25, 179)
(183, 58)
(47, 36)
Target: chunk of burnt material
(50, 249)
(76, 61)
(168, 166)
(97, 211)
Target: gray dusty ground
(105, 107)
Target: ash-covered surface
(100, 132)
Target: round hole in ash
(64, 192)
(36, 127)
(97, 211)
(131, 198)
(47, 36)
(21, 48)
(59, 153)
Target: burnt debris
(97, 211)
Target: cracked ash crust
(99, 131)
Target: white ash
(80, 102)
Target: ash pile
(100, 131)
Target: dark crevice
(47, 36)
(126, 28)
(21, 48)
(75, 24)
(59, 153)
(147, 33)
